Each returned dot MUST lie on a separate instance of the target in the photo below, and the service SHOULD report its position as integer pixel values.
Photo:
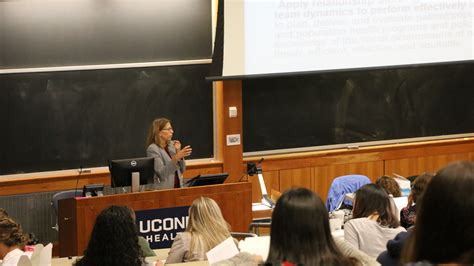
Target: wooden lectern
(76, 216)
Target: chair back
(64, 195)
(341, 186)
(59, 196)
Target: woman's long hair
(206, 225)
(300, 232)
(372, 199)
(156, 126)
(114, 240)
(444, 229)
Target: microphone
(252, 167)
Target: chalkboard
(52, 33)
(64, 120)
(357, 106)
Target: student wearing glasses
(168, 154)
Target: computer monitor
(204, 180)
(121, 171)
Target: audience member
(206, 229)
(142, 242)
(407, 214)
(300, 232)
(114, 240)
(444, 229)
(389, 185)
(392, 256)
(3, 213)
(374, 221)
(12, 241)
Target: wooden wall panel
(418, 165)
(70, 179)
(281, 171)
(295, 178)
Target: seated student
(389, 185)
(31, 238)
(373, 223)
(444, 229)
(12, 241)
(206, 229)
(114, 240)
(407, 214)
(392, 188)
(142, 242)
(391, 256)
(3, 213)
(300, 232)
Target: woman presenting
(168, 154)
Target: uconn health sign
(160, 226)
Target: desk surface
(261, 211)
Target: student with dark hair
(374, 221)
(444, 230)
(12, 241)
(408, 214)
(389, 185)
(300, 232)
(114, 240)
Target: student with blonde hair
(206, 229)
(12, 241)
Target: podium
(76, 216)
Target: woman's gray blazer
(164, 167)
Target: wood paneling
(295, 178)
(320, 159)
(70, 179)
(418, 165)
(292, 170)
(281, 171)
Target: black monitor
(121, 171)
(204, 180)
